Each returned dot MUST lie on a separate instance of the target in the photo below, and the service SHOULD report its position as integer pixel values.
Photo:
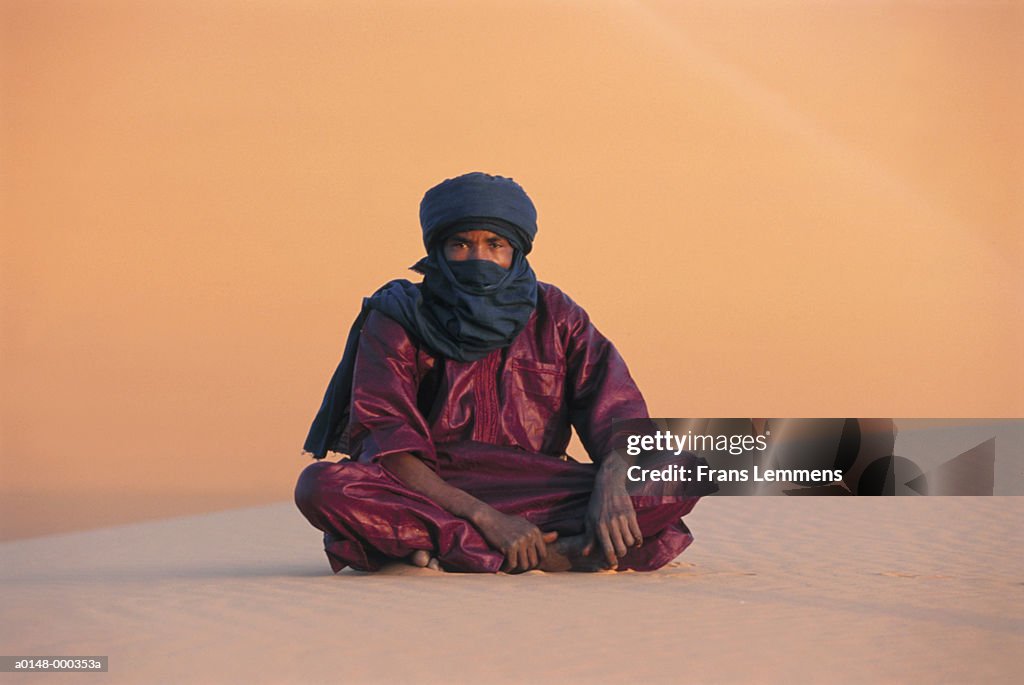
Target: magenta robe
(496, 428)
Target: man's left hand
(611, 520)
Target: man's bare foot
(422, 558)
(566, 554)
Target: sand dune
(774, 590)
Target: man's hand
(522, 543)
(611, 520)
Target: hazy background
(772, 208)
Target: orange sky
(773, 209)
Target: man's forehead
(475, 234)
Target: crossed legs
(369, 517)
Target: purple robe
(496, 428)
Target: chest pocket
(540, 383)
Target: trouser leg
(554, 495)
(369, 517)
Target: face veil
(472, 307)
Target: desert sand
(773, 590)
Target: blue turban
(494, 203)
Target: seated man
(456, 398)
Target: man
(456, 398)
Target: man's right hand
(522, 543)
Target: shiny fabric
(450, 318)
(560, 372)
(370, 518)
(497, 428)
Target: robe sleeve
(601, 389)
(385, 418)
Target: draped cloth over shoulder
(461, 311)
(559, 373)
(456, 314)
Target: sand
(774, 590)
